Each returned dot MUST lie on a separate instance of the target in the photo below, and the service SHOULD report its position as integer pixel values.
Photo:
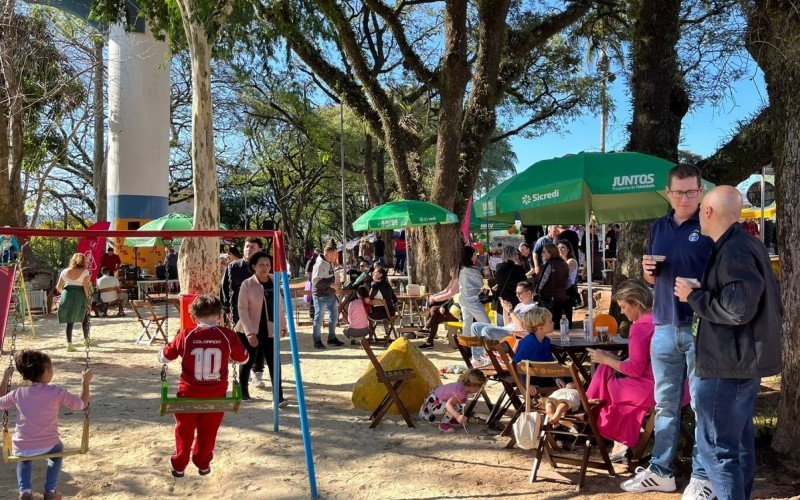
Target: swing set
(171, 404)
(7, 443)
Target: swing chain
(14, 330)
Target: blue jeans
(672, 356)
(471, 310)
(725, 434)
(321, 304)
(25, 468)
(486, 330)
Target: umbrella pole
(603, 244)
(589, 252)
(408, 256)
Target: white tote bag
(529, 424)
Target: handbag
(484, 298)
(529, 425)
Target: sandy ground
(130, 442)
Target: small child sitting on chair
(446, 400)
(357, 316)
(205, 351)
(560, 401)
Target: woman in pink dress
(626, 386)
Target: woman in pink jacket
(626, 386)
(256, 320)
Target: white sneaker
(261, 385)
(699, 489)
(647, 480)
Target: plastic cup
(659, 259)
(691, 281)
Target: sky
(704, 128)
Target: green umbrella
(568, 190)
(169, 222)
(403, 214)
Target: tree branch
(410, 57)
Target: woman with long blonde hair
(73, 285)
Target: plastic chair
(605, 320)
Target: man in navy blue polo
(676, 237)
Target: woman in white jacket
(470, 283)
(256, 320)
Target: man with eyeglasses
(680, 249)
(512, 316)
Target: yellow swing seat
(8, 458)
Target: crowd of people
(704, 334)
(704, 328)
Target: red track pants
(206, 425)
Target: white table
(146, 287)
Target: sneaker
(204, 472)
(647, 480)
(51, 495)
(410, 335)
(283, 403)
(26, 495)
(335, 341)
(426, 345)
(261, 385)
(699, 489)
(70, 347)
(445, 427)
(176, 473)
(318, 344)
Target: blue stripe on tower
(134, 206)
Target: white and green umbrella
(404, 214)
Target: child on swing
(36, 432)
(446, 400)
(204, 351)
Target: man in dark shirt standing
(550, 237)
(738, 341)
(380, 249)
(677, 238)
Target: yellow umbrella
(755, 213)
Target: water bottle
(587, 329)
(564, 326)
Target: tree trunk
(99, 173)
(435, 251)
(659, 104)
(198, 269)
(11, 125)
(773, 31)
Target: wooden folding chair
(647, 434)
(394, 381)
(388, 323)
(147, 317)
(509, 397)
(465, 344)
(585, 422)
(518, 389)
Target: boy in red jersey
(205, 351)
